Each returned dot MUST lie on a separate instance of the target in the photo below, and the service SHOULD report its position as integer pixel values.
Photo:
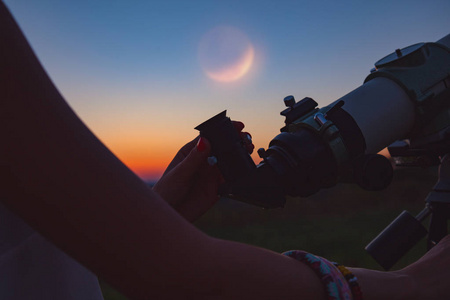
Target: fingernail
(201, 145)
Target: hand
(190, 184)
(431, 273)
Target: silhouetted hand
(190, 184)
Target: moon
(225, 54)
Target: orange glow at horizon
(148, 160)
(147, 150)
(151, 168)
(148, 166)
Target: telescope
(404, 103)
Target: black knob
(373, 172)
(289, 101)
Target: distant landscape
(336, 223)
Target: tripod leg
(438, 224)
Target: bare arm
(63, 181)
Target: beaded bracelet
(336, 286)
(352, 281)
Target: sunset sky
(143, 74)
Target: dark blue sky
(131, 69)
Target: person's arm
(427, 278)
(59, 178)
(63, 181)
(393, 285)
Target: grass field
(336, 223)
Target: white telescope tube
(382, 110)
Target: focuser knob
(289, 101)
(297, 110)
(373, 172)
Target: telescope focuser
(243, 179)
(317, 148)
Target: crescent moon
(236, 70)
(225, 54)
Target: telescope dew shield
(423, 71)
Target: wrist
(394, 285)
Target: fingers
(194, 160)
(204, 194)
(181, 154)
(245, 136)
(184, 151)
(238, 125)
(184, 167)
(247, 141)
(187, 149)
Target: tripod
(438, 202)
(406, 230)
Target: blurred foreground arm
(63, 181)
